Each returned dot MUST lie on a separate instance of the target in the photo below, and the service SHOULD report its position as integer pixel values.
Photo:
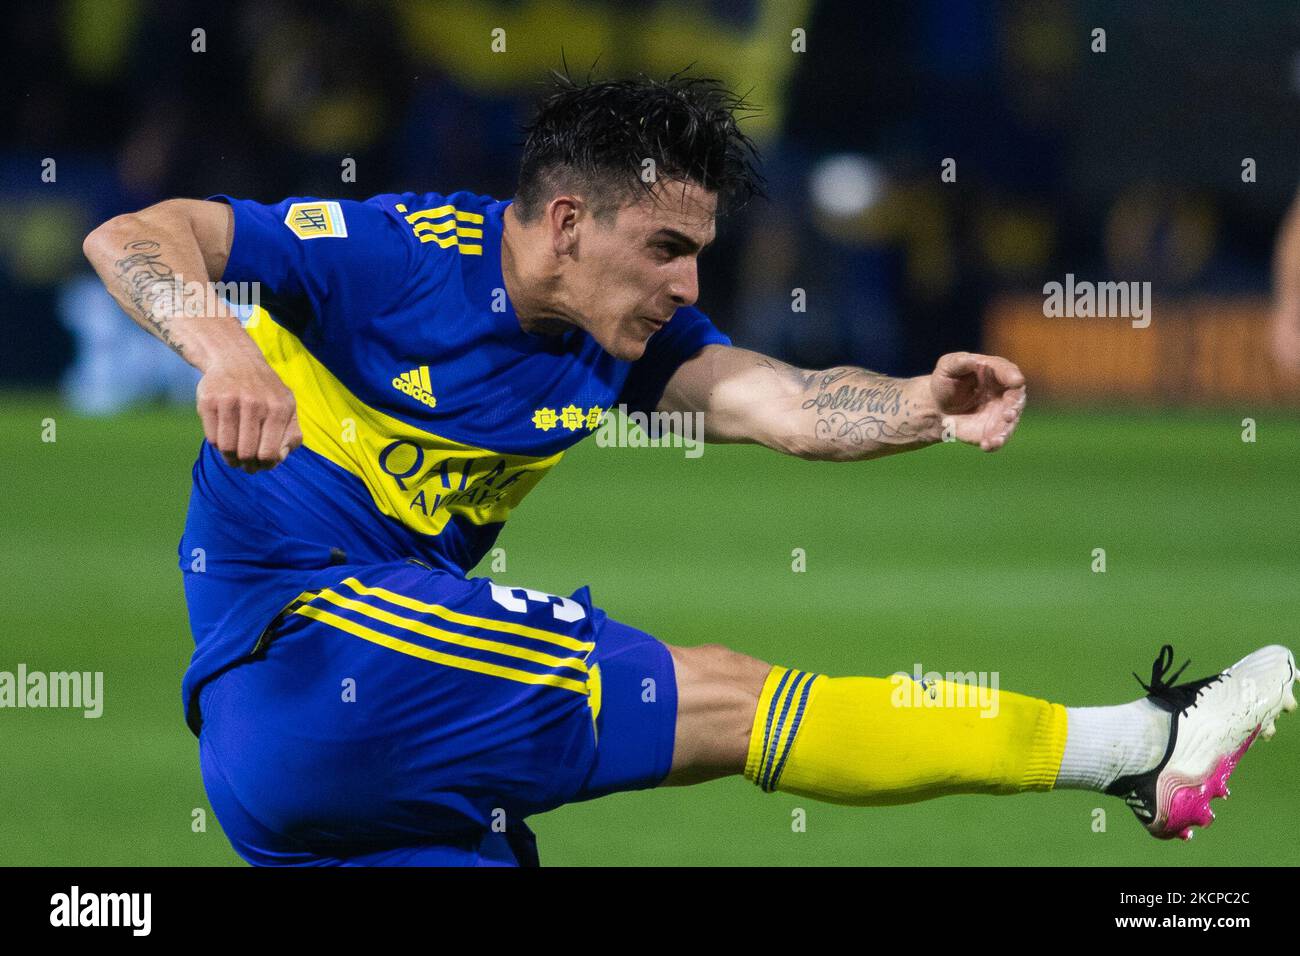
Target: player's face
(632, 273)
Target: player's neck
(533, 289)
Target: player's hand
(982, 395)
(248, 414)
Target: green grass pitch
(951, 558)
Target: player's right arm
(157, 264)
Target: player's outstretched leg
(869, 741)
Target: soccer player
(416, 363)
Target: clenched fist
(248, 414)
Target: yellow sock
(870, 741)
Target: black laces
(1179, 696)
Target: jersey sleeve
(688, 332)
(328, 263)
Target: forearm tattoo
(853, 408)
(150, 285)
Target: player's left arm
(846, 413)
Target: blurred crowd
(1126, 162)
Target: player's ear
(562, 215)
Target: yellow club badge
(314, 220)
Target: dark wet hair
(595, 137)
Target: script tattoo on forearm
(150, 285)
(853, 406)
(835, 392)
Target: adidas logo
(416, 384)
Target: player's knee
(717, 693)
(719, 666)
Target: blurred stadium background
(1124, 165)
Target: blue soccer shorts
(407, 716)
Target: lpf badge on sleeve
(313, 220)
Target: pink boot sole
(1190, 805)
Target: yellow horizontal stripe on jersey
(444, 241)
(450, 637)
(438, 212)
(433, 213)
(437, 657)
(433, 231)
(415, 476)
(449, 241)
(457, 617)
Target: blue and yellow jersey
(427, 413)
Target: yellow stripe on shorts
(456, 617)
(438, 657)
(450, 637)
